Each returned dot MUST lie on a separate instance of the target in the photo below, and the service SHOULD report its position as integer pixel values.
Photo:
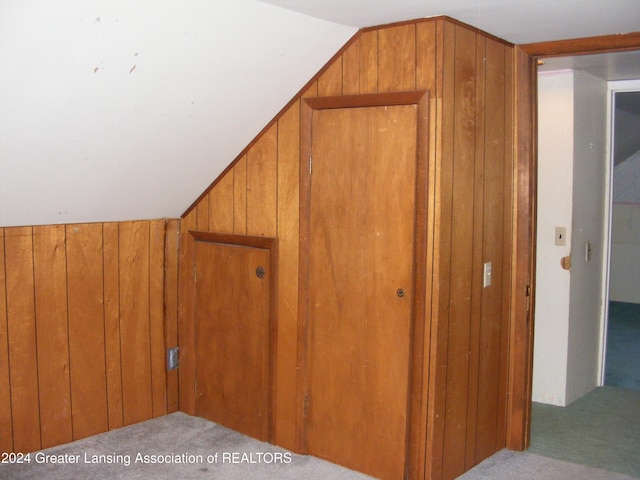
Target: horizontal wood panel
(60, 337)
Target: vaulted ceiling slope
(517, 21)
(117, 110)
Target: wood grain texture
(464, 390)
(134, 322)
(351, 68)
(477, 304)
(157, 317)
(86, 329)
(171, 306)
(523, 244)
(262, 185)
(330, 82)
(50, 284)
(202, 211)
(370, 244)
(240, 196)
(588, 45)
(502, 431)
(60, 328)
(369, 62)
(493, 250)
(6, 426)
(461, 260)
(186, 327)
(21, 326)
(232, 345)
(287, 285)
(111, 259)
(443, 211)
(397, 58)
(221, 212)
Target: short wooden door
(360, 286)
(232, 336)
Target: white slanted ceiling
(120, 110)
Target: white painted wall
(121, 110)
(589, 203)
(555, 187)
(624, 273)
(571, 193)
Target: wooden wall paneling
(21, 327)
(202, 212)
(523, 254)
(477, 302)
(287, 287)
(6, 427)
(240, 196)
(134, 322)
(221, 209)
(330, 81)
(111, 261)
(86, 329)
(262, 184)
(426, 46)
(50, 282)
(462, 252)
(156, 316)
(501, 428)
(442, 218)
(493, 213)
(171, 306)
(186, 372)
(397, 58)
(425, 79)
(351, 68)
(369, 61)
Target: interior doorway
(621, 322)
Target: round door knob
(400, 292)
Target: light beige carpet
(179, 446)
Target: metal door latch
(260, 272)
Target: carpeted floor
(601, 429)
(179, 446)
(622, 366)
(176, 446)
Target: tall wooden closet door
(232, 337)
(360, 280)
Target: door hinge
(310, 164)
(527, 291)
(195, 274)
(172, 358)
(306, 405)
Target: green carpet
(622, 366)
(601, 429)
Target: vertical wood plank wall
(85, 313)
(470, 77)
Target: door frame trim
(423, 244)
(266, 243)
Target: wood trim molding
(365, 100)
(523, 259)
(232, 239)
(583, 46)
